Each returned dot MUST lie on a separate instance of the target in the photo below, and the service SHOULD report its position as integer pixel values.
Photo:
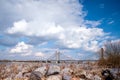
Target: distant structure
(102, 53)
(58, 57)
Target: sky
(36, 29)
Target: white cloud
(22, 48)
(82, 37)
(111, 22)
(39, 54)
(62, 21)
(19, 26)
(92, 23)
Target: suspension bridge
(59, 57)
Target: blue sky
(35, 29)
(107, 11)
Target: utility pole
(102, 53)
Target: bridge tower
(58, 57)
(57, 54)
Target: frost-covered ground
(47, 71)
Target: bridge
(59, 57)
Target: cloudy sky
(35, 29)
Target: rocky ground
(47, 71)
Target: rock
(26, 75)
(66, 71)
(8, 78)
(53, 69)
(89, 76)
(96, 77)
(35, 76)
(54, 77)
(42, 70)
(19, 75)
(66, 77)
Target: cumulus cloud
(19, 26)
(22, 48)
(62, 22)
(82, 37)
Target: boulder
(54, 77)
(42, 70)
(53, 69)
(35, 76)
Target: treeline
(21, 61)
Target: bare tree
(112, 53)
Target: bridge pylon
(58, 57)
